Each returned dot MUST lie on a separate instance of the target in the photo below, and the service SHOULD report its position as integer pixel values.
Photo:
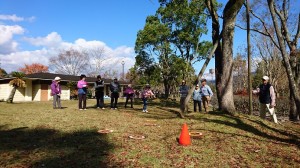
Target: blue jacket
(206, 91)
(183, 90)
(197, 95)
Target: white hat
(265, 78)
(57, 78)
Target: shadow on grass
(240, 124)
(43, 147)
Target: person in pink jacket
(147, 93)
(129, 93)
(82, 91)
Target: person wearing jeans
(114, 88)
(197, 99)
(147, 93)
(206, 94)
(183, 90)
(82, 91)
(56, 92)
(99, 92)
(266, 98)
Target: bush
(242, 106)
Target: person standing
(147, 93)
(197, 99)
(183, 90)
(99, 92)
(267, 98)
(206, 94)
(56, 92)
(82, 91)
(114, 88)
(129, 93)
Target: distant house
(38, 87)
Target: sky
(32, 31)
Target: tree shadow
(240, 124)
(44, 147)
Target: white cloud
(13, 18)
(16, 18)
(7, 32)
(53, 43)
(52, 40)
(7, 44)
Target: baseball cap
(265, 78)
(57, 78)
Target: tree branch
(283, 21)
(298, 32)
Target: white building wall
(65, 93)
(4, 91)
(20, 94)
(36, 92)
(28, 91)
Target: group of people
(200, 95)
(115, 88)
(204, 93)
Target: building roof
(51, 76)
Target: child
(82, 91)
(129, 93)
(147, 93)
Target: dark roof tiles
(51, 76)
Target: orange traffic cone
(185, 138)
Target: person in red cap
(267, 98)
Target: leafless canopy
(71, 62)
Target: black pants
(114, 100)
(196, 102)
(82, 100)
(100, 99)
(129, 98)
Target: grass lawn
(35, 135)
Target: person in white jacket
(266, 98)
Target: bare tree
(279, 18)
(271, 63)
(97, 57)
(71, 62)
(110, 74)
(240, 72)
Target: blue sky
(34, 30)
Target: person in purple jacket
(56, 92)
(129, 93)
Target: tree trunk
(216, 37)
(12, 95)
(188, 97)
(167, 88)
(292, 80)
(293, 116)
(225, 77)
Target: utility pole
(123, 64)
(249, 59)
